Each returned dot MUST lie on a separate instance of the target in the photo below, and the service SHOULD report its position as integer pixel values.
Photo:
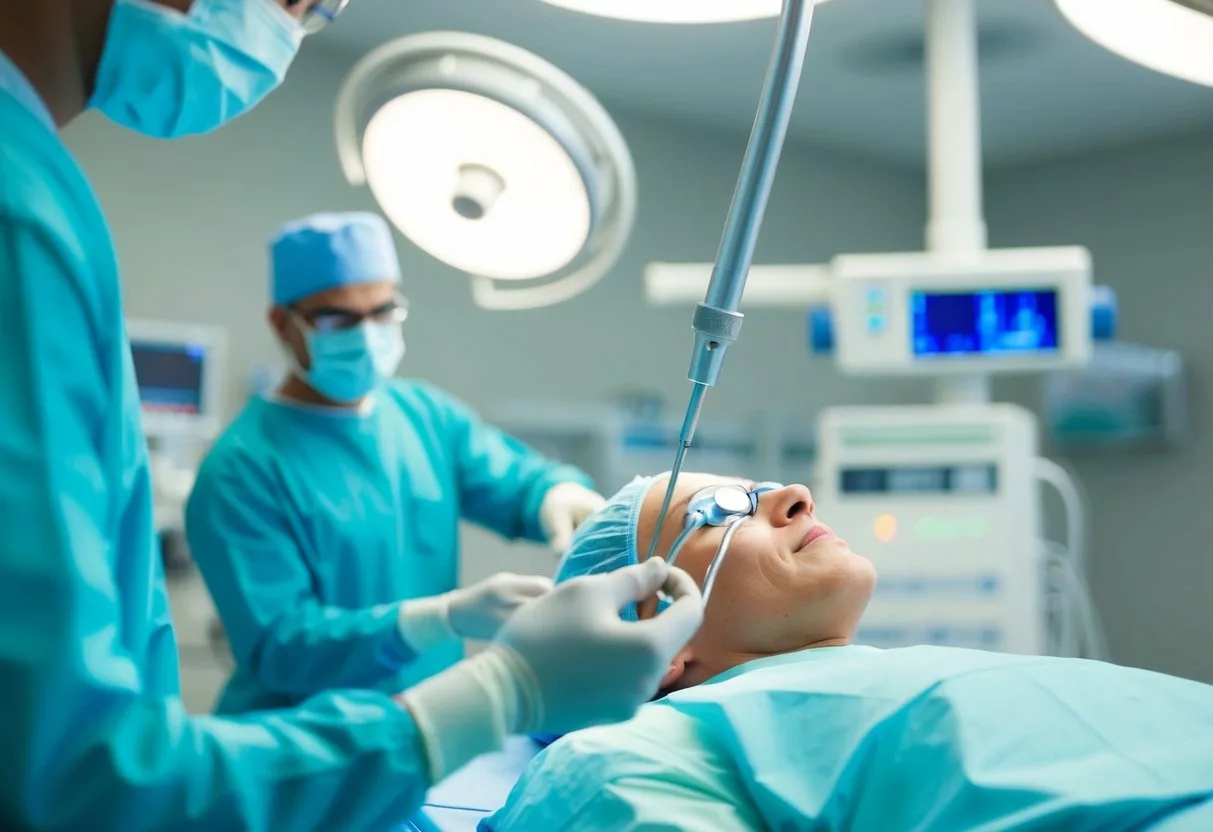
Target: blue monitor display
(169, 377)
(984, 323)
(972, 479)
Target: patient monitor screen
(971, 479)
(984, 323)
(169, 377)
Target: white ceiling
(1046, 90)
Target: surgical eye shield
(717, 505)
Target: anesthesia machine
(946, 499)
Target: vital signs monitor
(179, 371)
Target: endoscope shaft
(717, 321)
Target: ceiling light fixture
(491, 160)
(1174, 37)
(677, 11)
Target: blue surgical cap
(607, 540)
(324, 251)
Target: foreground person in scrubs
(326, 518)
(773, 718)
(92, 729)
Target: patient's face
(775, 593)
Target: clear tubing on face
(721, 552)
(690, 526)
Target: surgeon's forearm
(318, 648)
(342, 762)
(513, 509)
(501, 480)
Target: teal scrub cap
(607, 540)
(324, 251)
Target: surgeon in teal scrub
(326, 518)
(92, 729)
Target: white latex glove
(566, 506)
(477, 611)
(563, 662)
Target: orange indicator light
(885, 528)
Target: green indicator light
(976, 526)
(972, 527)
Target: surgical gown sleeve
(501, 481)
(92, 737)
(660, 772)
(278, 625)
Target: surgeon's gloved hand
(564, 662)
(566, 506)
(480, 610)
(586, 666)
(477, 611)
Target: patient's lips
(819, 531)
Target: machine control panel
(944, 501)
(1011, 310)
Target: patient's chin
(664, 692)
(699, 672)
(827, 548)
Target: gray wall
(1147, 215)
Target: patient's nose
(786, 504)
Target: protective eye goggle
(332, 319)
(718, 505)
(319, 13)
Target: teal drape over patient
(926, 738)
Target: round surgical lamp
(677, 11)
(491, 160)
(1170, 36)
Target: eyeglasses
(335, 319)
(319, 13)
(719, 505)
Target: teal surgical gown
(312, 525)
(93, 734)
(925, 739)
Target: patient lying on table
(773, 719)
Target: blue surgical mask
(347, 364)
(166, 74)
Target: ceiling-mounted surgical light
(677, 11)
(1170, 36)
(491, 160)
